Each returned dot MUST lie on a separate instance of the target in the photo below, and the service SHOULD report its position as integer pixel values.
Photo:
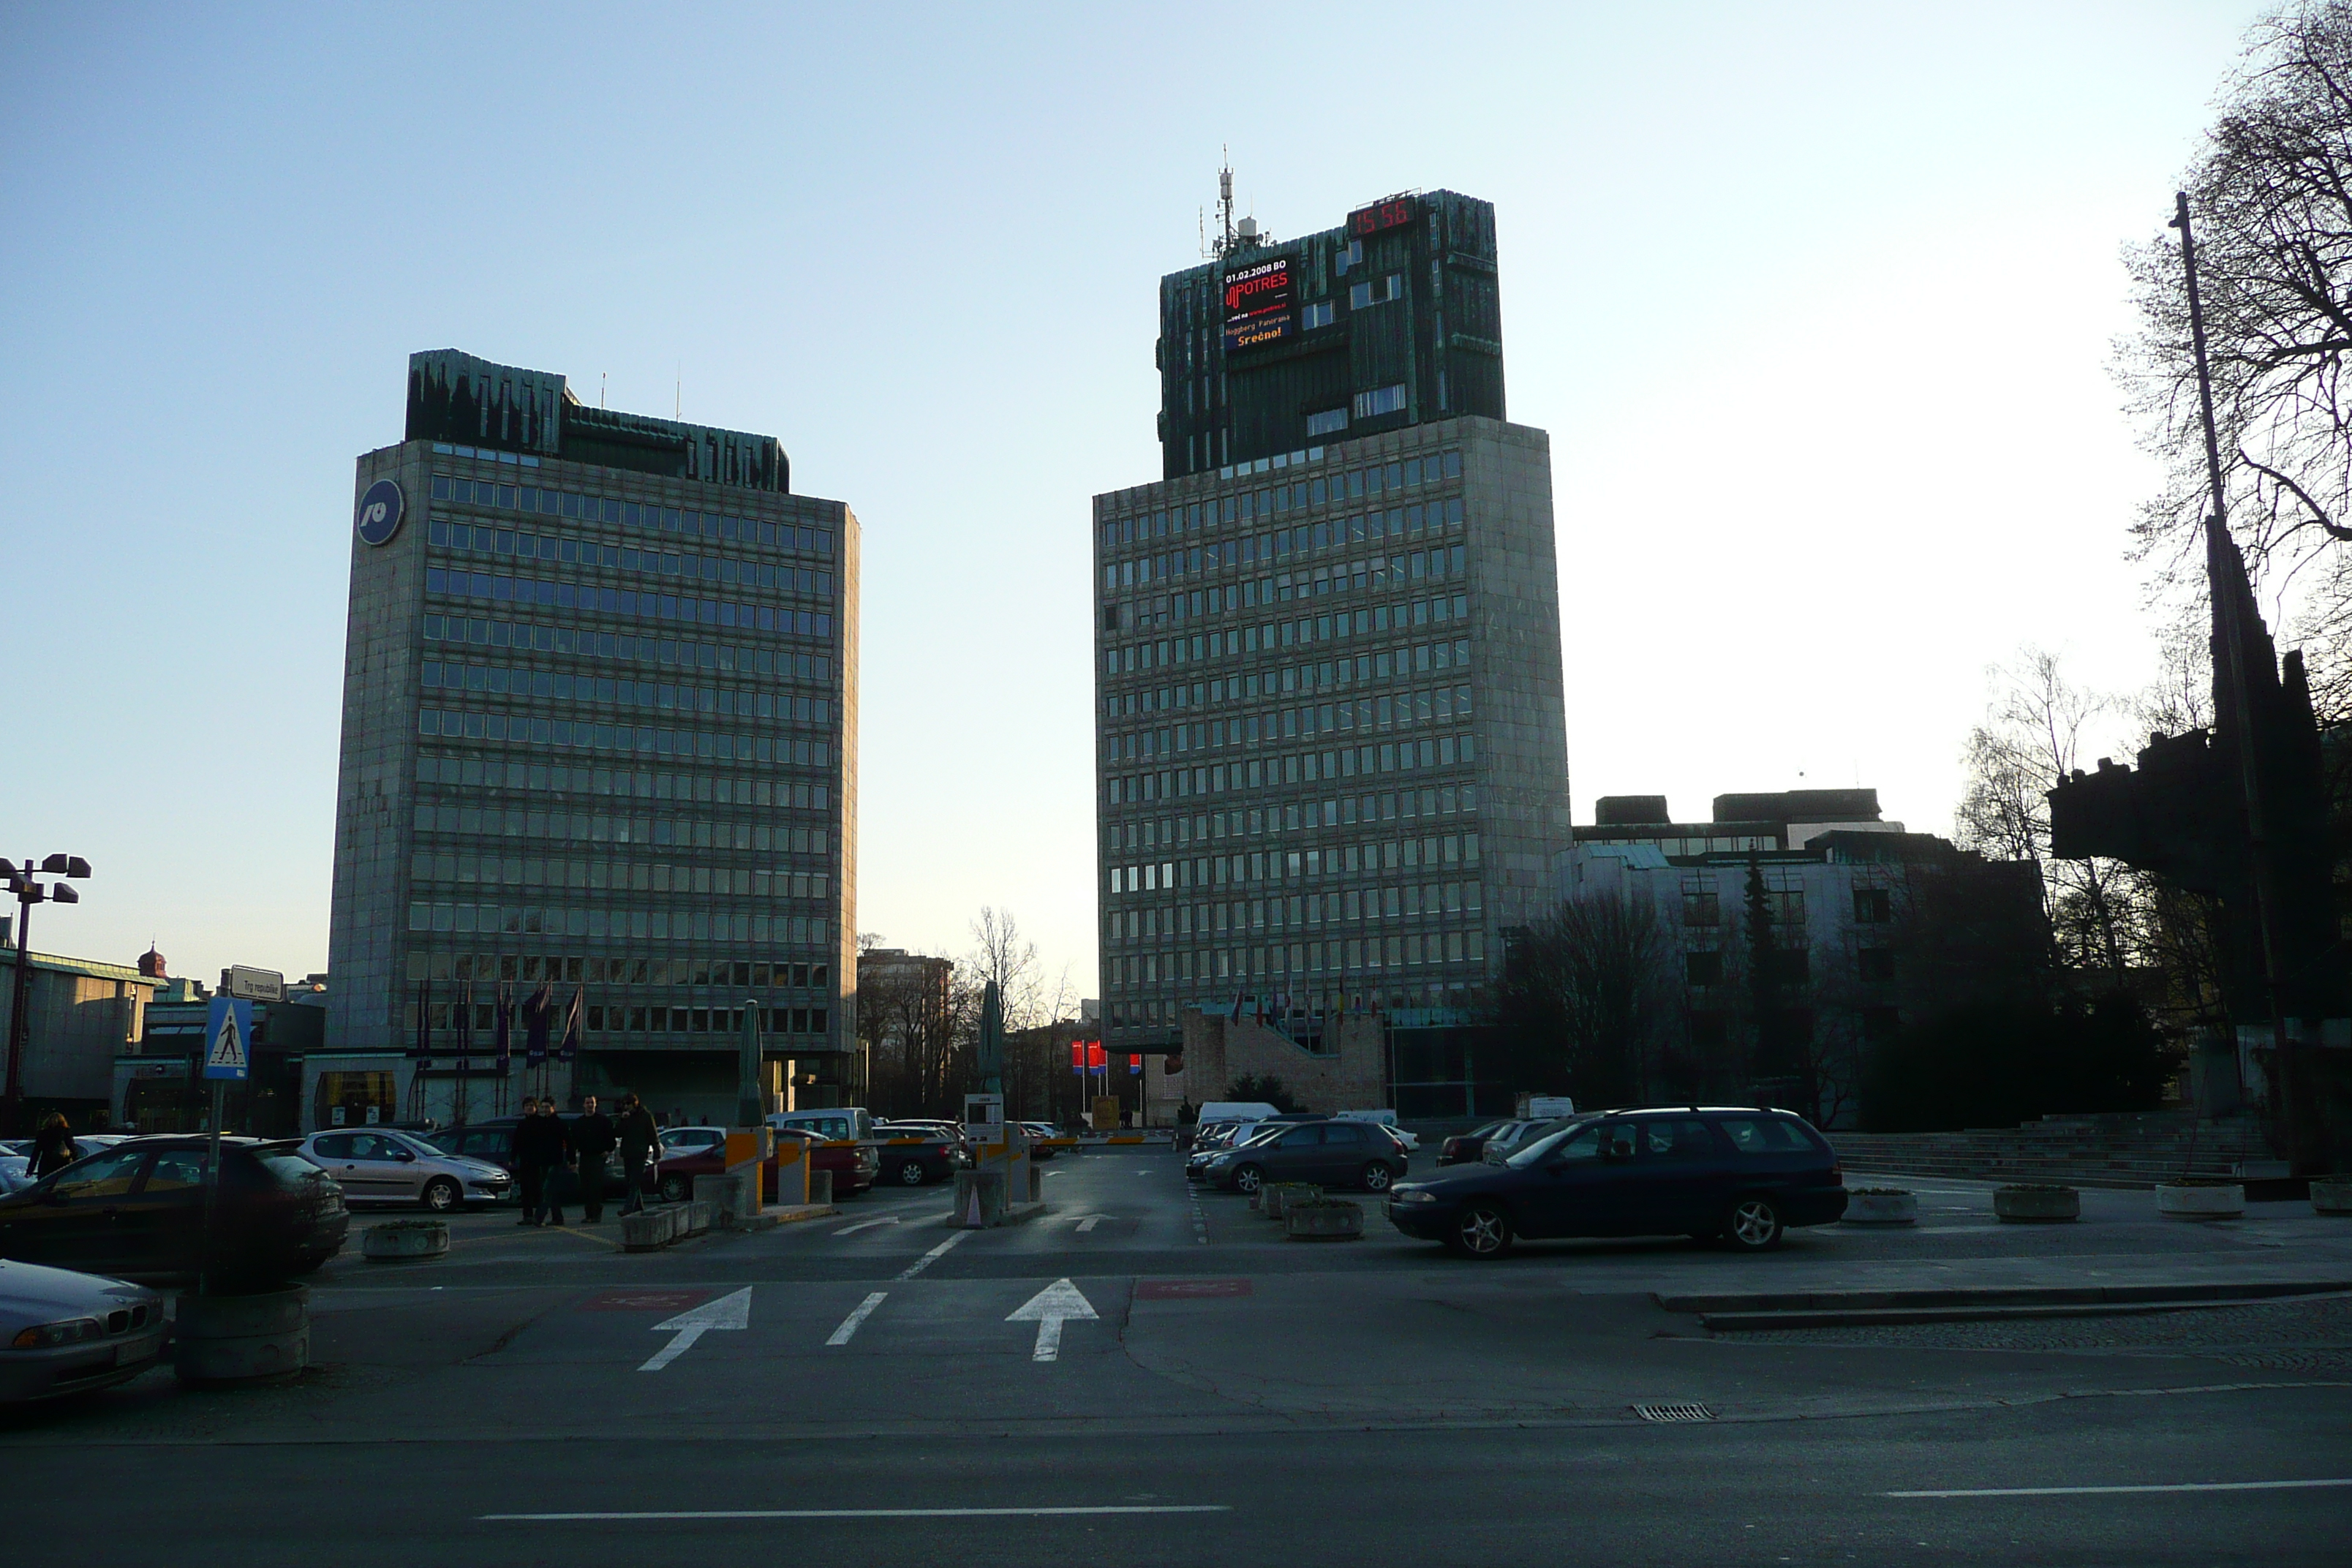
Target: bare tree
(1586, 994)
(2271, 198)
(1003, 954)
(2034, 734)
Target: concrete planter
(1881, 1205)
(2037, 1205)
(1334, 1219)
(1281, 1197)
(405, 1240)
(2331, 1194)
(727, 1196)
(649, 1230)
(2216, 1202)
(242, 1339)
(697, 1217)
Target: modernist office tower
(1332, 754)
(600, 698)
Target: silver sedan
(62, 1332)
(378, 1166)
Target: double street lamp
(28, 892)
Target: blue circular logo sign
(379, 511)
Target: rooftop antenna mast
(1225, 202)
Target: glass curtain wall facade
(599, 733)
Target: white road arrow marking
(857, 1315)
(865, 1224)
(1049, 1309)
(731, 1311)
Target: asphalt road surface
(1148, 1375)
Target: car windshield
(1549, 1136)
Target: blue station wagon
(1742, 1175)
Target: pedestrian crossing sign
(228, 1038)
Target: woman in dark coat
(53, 1147)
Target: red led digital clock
(1393, 214)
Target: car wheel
(911, 1173)
(1249, 1178)
(441, 1194)
(1480, 1230)
(674, 1190)
(1377, 1177)
(1753, 1224)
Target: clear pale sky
(1815, 301)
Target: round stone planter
(2216, 1201)
(405, 1241)
(1881, 1205)
(2037, 1205)
(2331, 1194)
(242, 1339)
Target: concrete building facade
(83, 1013)
(599, 745)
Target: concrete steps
(2122, 1151)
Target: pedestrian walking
(593, 1140)
(638, 1140)
(540, 1143)
(53, 1147)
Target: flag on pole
(424, 1047)
(465, 1026)
(502, 1030)
(535, 1022)
(1236, 1014)
(571, 1046)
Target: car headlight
(48, 1336)
(1415, 1195)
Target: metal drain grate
(1673, 1413)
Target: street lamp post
(28, 892)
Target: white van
(846, 1122)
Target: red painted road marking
(644, 1301)
(1188, 1289)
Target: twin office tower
(601, 684)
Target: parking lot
(878, 1360)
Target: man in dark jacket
(592, 1140)
(638, 1140)
(539, 1145)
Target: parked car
(16, 1159)
(1463, 1148)
(1216, 1139)
(378, 1166)
(1513, 1136)
(491, 1143)
(690, 1151)
(1744, 1174)
(909, 1156)
(1331, 1153)
(1044, 1142)
(137, 1211)
(67, 1332)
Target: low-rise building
(159, 1084)
(82, 1012)
(1871, 928)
